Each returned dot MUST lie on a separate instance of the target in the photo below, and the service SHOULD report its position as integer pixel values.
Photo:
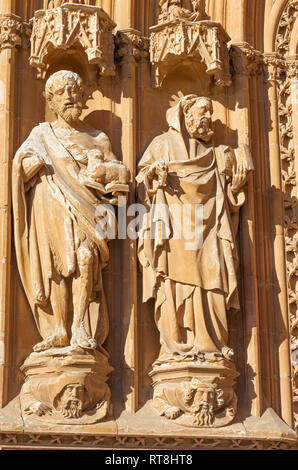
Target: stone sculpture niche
(188, 255)
(62, 174)
(184, 35)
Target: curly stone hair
(188, 101)
(61, 75)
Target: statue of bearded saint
(57, 3)
(56, 196)
(192, 280)
(191, 10)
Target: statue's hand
(38, 409)
(239, 178)
(31, 165)
(158, 170)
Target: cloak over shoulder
(52, 213)
(190, 181)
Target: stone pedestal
(66, 386)
(195, 394)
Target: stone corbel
(11, 31)
(181, 41)
(245, 59)
(131, 46)
(273, 66)
(69, 26)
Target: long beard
(198, 131)
(72, 408)
(71, 114)
(204, 415)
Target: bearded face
(71, 404)
(72, 408)
(67, 100)
(203, 406)
(198, 121)
(203, 415)
(71, 113)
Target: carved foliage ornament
(285, 28)
(273, 66)
(285, 70)
(11, 29)
(71, 25)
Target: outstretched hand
(39, 409)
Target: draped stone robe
(193, 289)
(53, 215)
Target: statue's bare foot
(227, 353)
(56, 341)
(82, 339)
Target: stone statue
(57, 3)
(194, 285)
(61, 175)
(191, 10)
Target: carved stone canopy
(71, 26)
(182, 41)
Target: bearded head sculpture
(64, 92)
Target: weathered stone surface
(61, 174)
(100, 345)
(71, 25)
(192, 275)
